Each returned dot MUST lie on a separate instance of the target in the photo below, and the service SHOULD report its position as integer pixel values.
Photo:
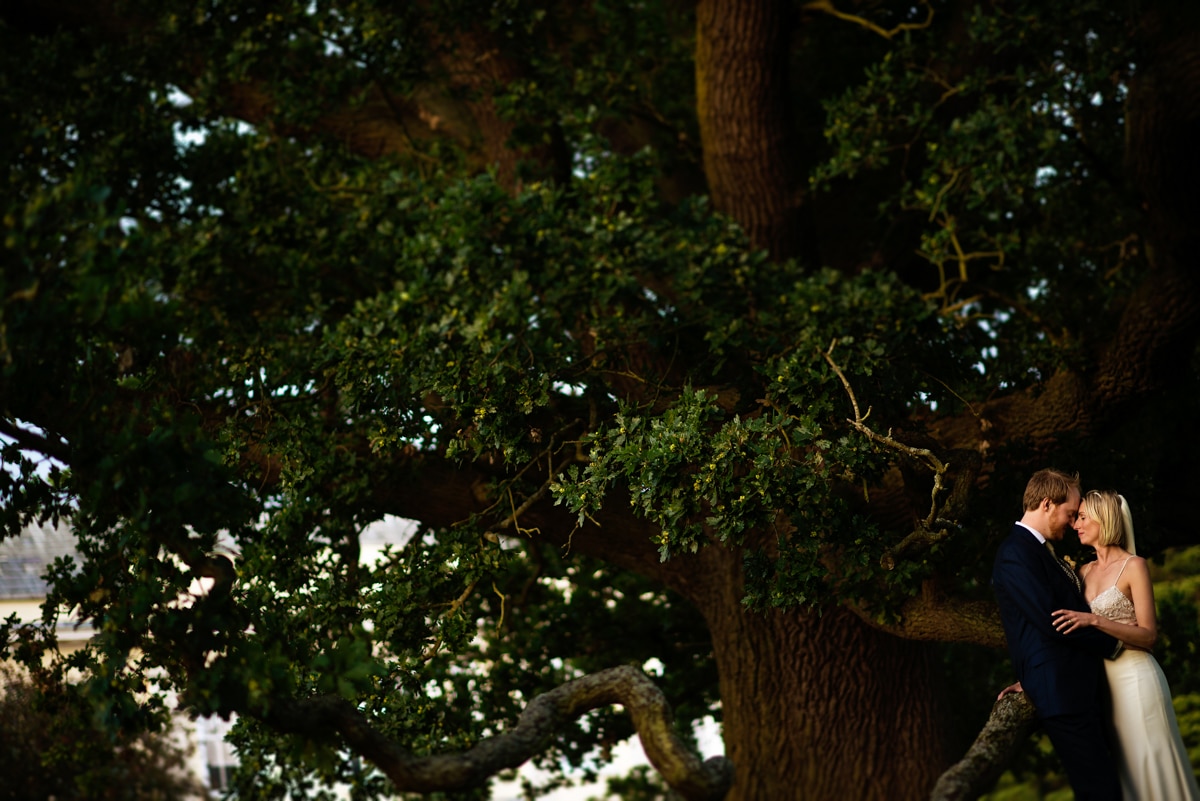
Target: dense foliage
(645, 376)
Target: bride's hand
(1012, 688)
(1067, 620)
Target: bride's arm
(1141, 590)
(1142, 635)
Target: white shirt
(1033, 531)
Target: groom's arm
(1030, 590)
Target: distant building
(23, 563)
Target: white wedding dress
(1152, 760)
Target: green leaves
(996, 157)
(248, 342)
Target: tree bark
(1013, 717)
(819, 705)
(479, 67)
(741, 103)
(819, 700)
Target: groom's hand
(1012, 688)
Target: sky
(625, 756)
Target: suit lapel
(1056, 566)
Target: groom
(1062, 674)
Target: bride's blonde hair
(1111, 511)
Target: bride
(1153, 762)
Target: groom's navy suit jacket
(1062, 674)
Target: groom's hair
(1049, 483)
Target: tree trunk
(745, 124)
(822, 706)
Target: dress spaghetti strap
(1118, 578)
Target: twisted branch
(322, 717)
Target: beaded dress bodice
(1114, 604)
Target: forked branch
(827, 7)
(920, 454)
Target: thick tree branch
(35, 442)
(382, 124)
(1013, 718)
(1157, 331)
(680, 767)
(479, 68)
(935, 616)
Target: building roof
(24, 558)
